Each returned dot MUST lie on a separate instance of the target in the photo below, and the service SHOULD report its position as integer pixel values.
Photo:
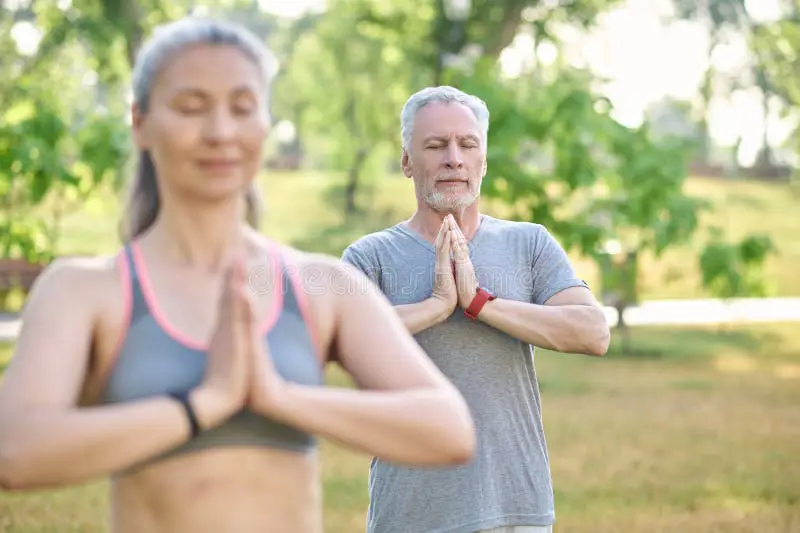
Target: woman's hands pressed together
(239, 372)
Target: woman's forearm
(47, 447)
(424, 426)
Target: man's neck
(427, 221)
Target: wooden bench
(19, 274)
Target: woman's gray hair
(143, 202)
(441, 94)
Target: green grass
(702, 439)
(302, 211)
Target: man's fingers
(447, 252)
(443, 227)
(460, 250)
(457, 228)
(443, 245)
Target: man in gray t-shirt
(477, 292)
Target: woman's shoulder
(78, 274)
(88, 281)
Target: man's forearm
(422, 315)
(581, 329)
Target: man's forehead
(445, 119)
(444, 135)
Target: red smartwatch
(481, 297)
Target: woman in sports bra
(189, 366)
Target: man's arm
(417, 316)
(571, 321)
(563, 316)
(423, 315)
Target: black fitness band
(183, 399)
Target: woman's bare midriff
(242, 490)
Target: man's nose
(454, 156)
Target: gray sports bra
(154, 359)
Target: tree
(777, 46)
(347, 80)
(62, 135)
(490, 26)
(721, 18)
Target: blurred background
(657, 139)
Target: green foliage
(721, 19)
(735, 270)
(43, 159)
(717, 14)
(558, 157)
(777, 47)
(493, 24)
(61, 134)
(56, 144)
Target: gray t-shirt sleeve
(354, 256)
(551, 269)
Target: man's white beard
(442, 202)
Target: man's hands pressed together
(444, 286)
(465, 280)
(570, 321)
(455, 283)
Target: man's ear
(405, 161)
(137, 127)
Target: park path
(651, 313)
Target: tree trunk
(765, 159)
(132, 26)
(352, 180)
(623, 329)
(706, 92)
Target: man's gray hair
(443, 94)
